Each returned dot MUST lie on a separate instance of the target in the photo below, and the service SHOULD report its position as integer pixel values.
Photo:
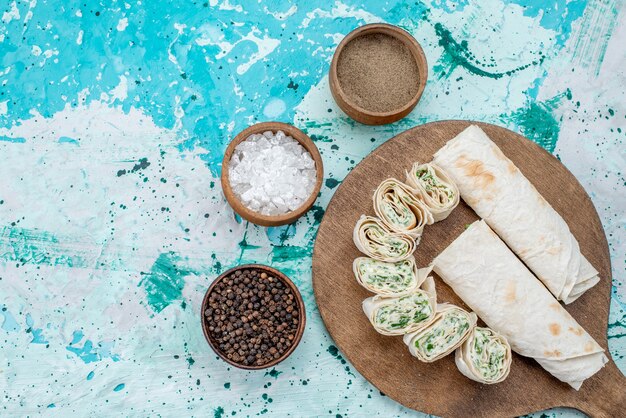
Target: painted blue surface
(113, 121)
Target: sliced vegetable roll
(389, 279)
(402, 314)
(400, 209)
(484, 357)
(438, 191)
(373, 239)
(450, 327)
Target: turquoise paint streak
(37, 333)
(36, 247)
(165, 282)
(68, 140)
(204, 79)
(15, 140)
(9, 324)
(450, 6)
(556, 15)
(89, 352)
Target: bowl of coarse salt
(272, 173)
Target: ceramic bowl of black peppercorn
(253, 316)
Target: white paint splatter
(120, 92)
(282, 15)
(339, 11)
(12, 14)
(274, 108)
(264, 45)
(180, 27)
(79, 38)
(227, 6)
(209, 34)
(122, 24)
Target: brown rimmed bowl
(274, 273)
(258, 218)
(366, 116)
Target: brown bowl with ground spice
(253, 316)
(378, 74)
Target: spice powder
(378, 72)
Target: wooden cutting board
(439, 388)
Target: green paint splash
(164, 283)
(290, 254)
(32, 246)
(318, 214)
(537, 121)
(458, 54)
(331, 183)
(218, 412)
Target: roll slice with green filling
(389, 279)
(373, 239)
(437, 189)
(402, 314)
(484, 357)
(400, 208)
(450, 327)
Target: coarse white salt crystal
(271, 173)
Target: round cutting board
(439, 388)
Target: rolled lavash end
(400, 208)
(436, 188)
(484, 357)
(491, 280)
(447, 331)
(389, 279)
(373, 239)
(401, 314)
(500, 194)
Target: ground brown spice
(377, 72)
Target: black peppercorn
(253, 317)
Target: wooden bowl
(258, 218)
(274, 273)
(366, 116)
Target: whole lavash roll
(490, 279)
(500, 194)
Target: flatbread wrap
(401, 314)
(484, 357)
(436, 188)
(400, 208)
(373, 239)
(498, 287)
(388, 279)
(447, 331)
(500, 194)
